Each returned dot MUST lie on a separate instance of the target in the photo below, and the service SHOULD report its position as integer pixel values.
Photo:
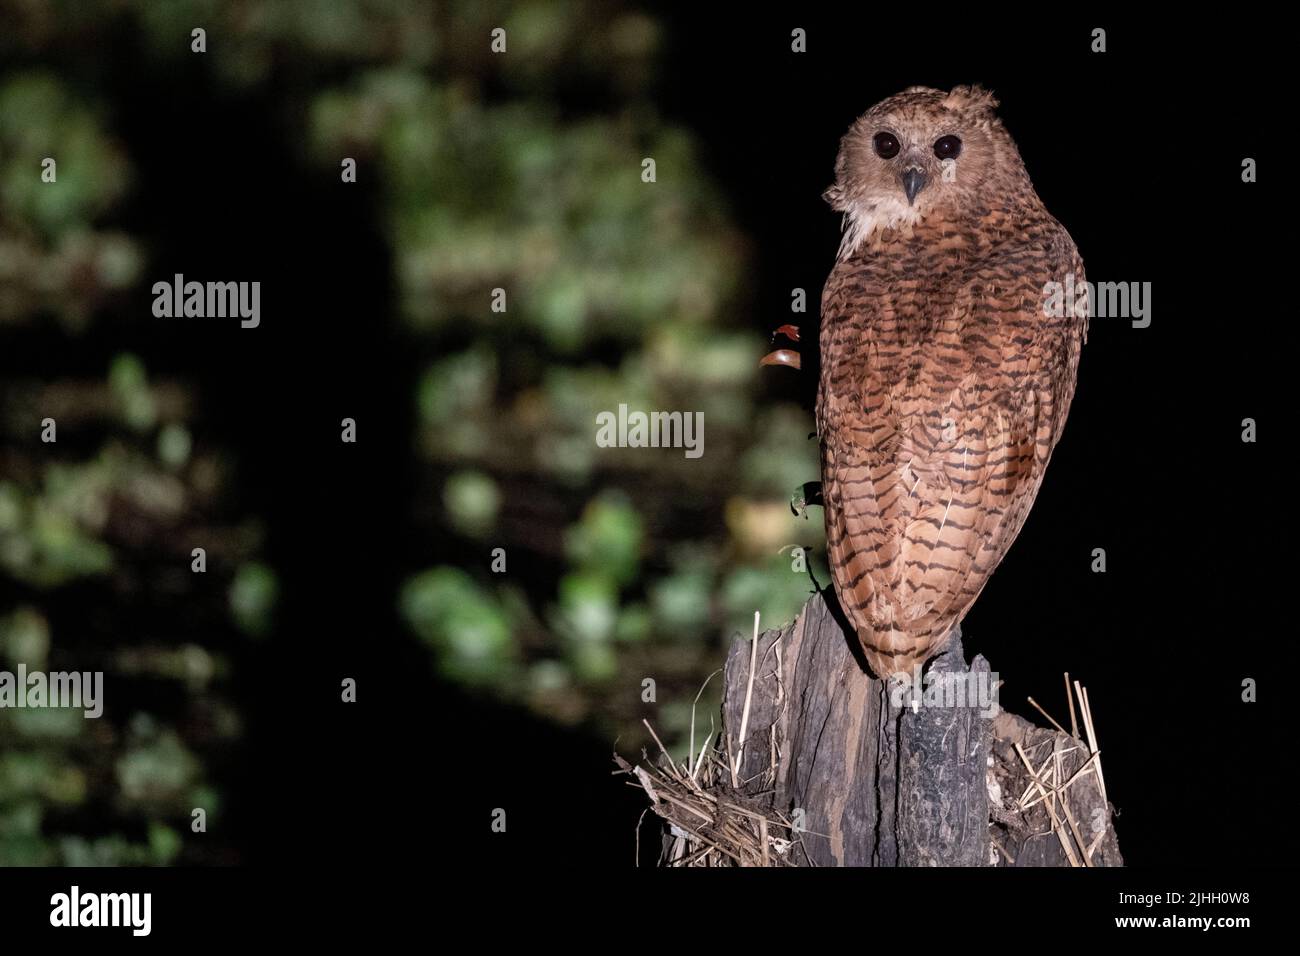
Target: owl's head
(920, 153)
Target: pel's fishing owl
(945, 378)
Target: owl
(946, 371)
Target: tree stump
(889, 773)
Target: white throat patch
(863, 220)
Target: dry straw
(711, 821)
(1052, 791)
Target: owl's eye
(886, 145)
(947, 147)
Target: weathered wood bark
(1027, 837)
(868, 779)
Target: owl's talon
(809, 494)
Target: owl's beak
(913, 182)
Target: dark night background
(1136, 151)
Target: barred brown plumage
(945, 382)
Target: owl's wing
(860, 426)
(938, 414)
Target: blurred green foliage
(95, 526)
(461, 622)
(621, 564)
(526, 244)
(53, 256)
(98, 542)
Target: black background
(1136, 151)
